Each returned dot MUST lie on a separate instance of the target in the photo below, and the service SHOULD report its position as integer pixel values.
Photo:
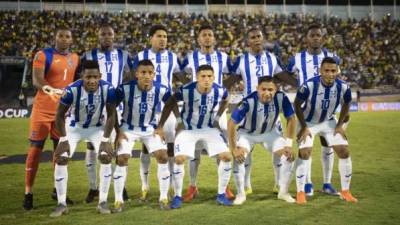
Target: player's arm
(344, 113)
(169, 106)
(110, 122)
(301, 96)
(128, 70)
(63, 145)
(237, 116)
(105, 149)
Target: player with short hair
(53, 69)
(306, 65)
(84, 102)
(115, 65)
(204, 102)
(141, 98)
(166, 66)
(257, 117)
(315, 105)
(221, 63)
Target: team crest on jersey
(210, 100)
(150, 97)
(70, 62)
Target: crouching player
(258, 120)
(140, 99)
(321, 96)
(85, 100)
(202, 99)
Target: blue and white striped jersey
(219, 61)
(87, 107)
(306, 65)
(199, 110)
(140, 106)
(321, 101)
(112, 64)
(257, 118)
(250, 67)
(165, 64)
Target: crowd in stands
(370, 50)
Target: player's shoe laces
(54, 197)
(248, 190)
(229, 193)
(59, 210)
(28, 201)
(144, 196)
(176, 202)
(91, 195)
(102, 208)
(329, 189)
(286, 197)
(164, 205)
(125, 196)
(240, 199)
(301, 198)
(118, 207)
(223, 200)
(347, 196)
(275, 189)
(308, 189)
(191, 193)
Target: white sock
(194, 167)
(276, 164)
(105, 174)
(224, 173)
(179, 173)
(163, 180)
(308, 171)
(171, 162)
(61, 179)
(238, 174)
(119, 182)
(285, 172)
(144, 170)
(247, 166)
(90, 159)
(345, 171)
(327, 159)
(301, 171)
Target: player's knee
(323, 141)
(122, 160)
(37, 144)
(342, 151)
(180, 159)
(170, 149)
(62, 161)
(304, 153)
(161, 156)
(225, 157)
(105, 159)
(89, 146)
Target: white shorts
(272, 141)
(170, 128)
(77, 133)
(213, 142)
(325, 129)
(152, 142)
(223, 124)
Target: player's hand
(239, 155)
(287, 151)
(61, 148)
(49, 90)
(160, 132)
(302, 135)
(340, 130)
(105, 147)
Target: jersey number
(203, 110)
(90, 109)
(142, 107)
(65, 74)
(259, 71)
(325, 104)
(109, 66)
(158, 73)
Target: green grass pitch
(374, 146)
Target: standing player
(166, 64)
(306, 65)
(257, 117)
(220, 61)
(85, 101)
(204, 103)
(141, 98)
(321, 97)
(53, 69)
(251, 66)
(115, 67)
